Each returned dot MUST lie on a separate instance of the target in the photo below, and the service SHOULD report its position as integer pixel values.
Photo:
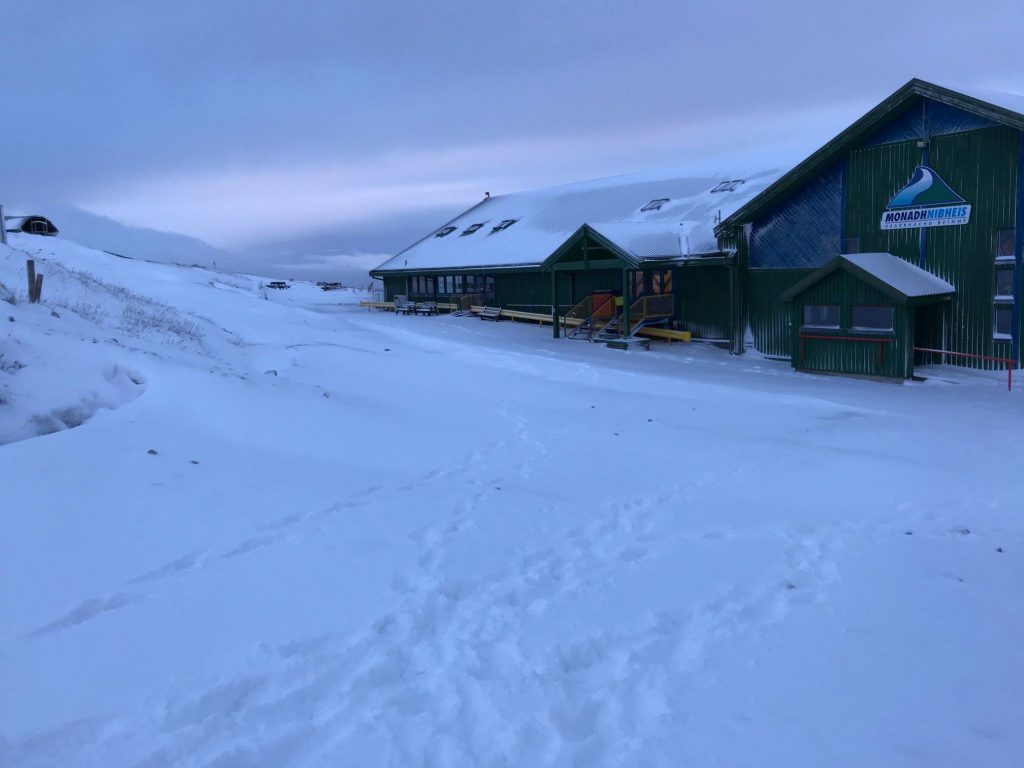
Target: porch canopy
(903, 282)
(627, 246)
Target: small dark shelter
(858, 314)
(32, 225)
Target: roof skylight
(471, 229)
(502, 225)
(655, 205)
(728, 186)
(445, 231)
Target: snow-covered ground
(269, 528)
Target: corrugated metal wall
(525, 291)
(942, 119)
(858, 357)
(769, 317)
(393, 286)
(979, 165)
(874, 175)
(702, 301)
(804, 231)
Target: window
(867, 318)
(444, 231)
(1004, 282)
(423, 285)
(655, 205)
(471, 229)
(821, 316)
(502, 225)
(489, 285)
(661, 281)
(636, 284)
(1003, 326)
(728, 186)
(1005, 244)
(852, 245)
(470, 283)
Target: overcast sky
(352, 127)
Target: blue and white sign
(925, 201)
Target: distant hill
(106, 234)
(310, 258)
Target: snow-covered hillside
(103, 233)
(269, 528)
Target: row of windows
(653, 205)
(870, 318)
(1002, 321)
(445, 285)
(1005, 261)
(499, 227)
(863, 317)
(725, 186)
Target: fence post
(39, 288)
(3, 227)
(30, 268)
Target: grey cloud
(103, 98)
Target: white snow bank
(323, 536)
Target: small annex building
(30, 224)
(858, 311)
(912, 217)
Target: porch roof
(896, 277)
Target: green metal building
(900, 236)
(931, 176)
(547, 251)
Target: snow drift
(251, 528)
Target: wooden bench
(426, 308)
(404, 308)
(490, 313)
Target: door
(929, 332)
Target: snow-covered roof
(1014, 102)
(895, 276)
(909, 279)
(681, 225)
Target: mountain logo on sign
(925, 201)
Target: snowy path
(379, 541)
